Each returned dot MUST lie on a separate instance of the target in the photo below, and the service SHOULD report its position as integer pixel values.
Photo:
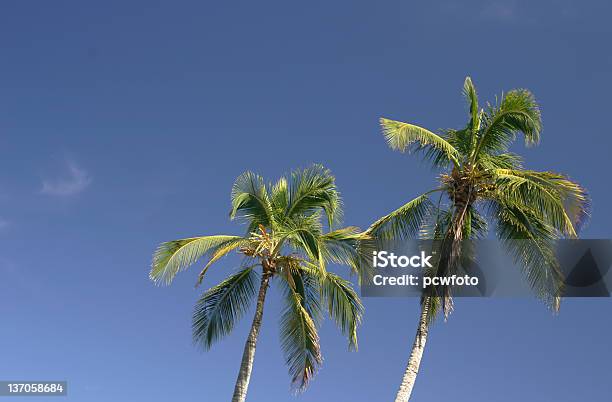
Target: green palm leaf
(461, 140)
(219, 308)
(343, 305)
(313, 189)
(221, 251)
(299, 339)
(303, 234)
(469, 92)
(506, 160)
(279, 198)
(532, 244)
(549, 194)
(518, 112)
(347, 246)
(403, 136)
(405, 221)
(174, 256)
(250, 201)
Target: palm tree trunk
(248, 356)
(412, 369)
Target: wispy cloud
(73, 182)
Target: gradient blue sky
(124, 123)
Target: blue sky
(124, 123)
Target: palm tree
(287, 241)
(483, 182)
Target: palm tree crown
(482, 181)
(287, 240)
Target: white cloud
(4, 224)
(76, 180)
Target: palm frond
(343, 305)
(221, 251)
(552, 195)
(518, 112)
(220, 307)
(461, 140)
(303, 233)
(405, 221)
(174, 256)
(250, 201)
(313, 189)
(279, 198)
(305, 283)
(532, 244)
(475, 225)
(347, 246)
(506, 160)
(469, 92)
(299, 339)
(404, 137)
